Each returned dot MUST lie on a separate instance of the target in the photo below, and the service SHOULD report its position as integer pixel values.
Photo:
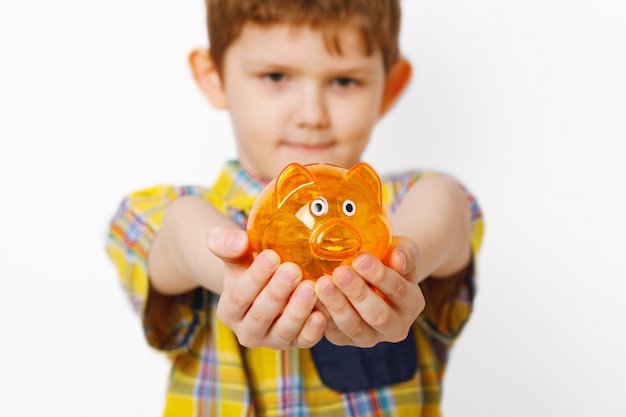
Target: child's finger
(337, 337)
(227, 243)
(268, 304)
(339, 307)
(403, 297)
(240, 292)
(371, 307)
(298, 309)
(403, 255)
(312, 331)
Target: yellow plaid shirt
(212, 375)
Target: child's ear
(207, 77)
(397, 80)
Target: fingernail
(235, 242)
(402, 261)
(344, 277)
(364, 263)
(328, 290)
(305, 293)
(268, 260)
(287, 274)
(317, 323)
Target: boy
(304, 82)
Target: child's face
(291, 100)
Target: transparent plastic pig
(320, 216)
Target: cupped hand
(264, 302)
(351, 297)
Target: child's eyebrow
(251, 64)
(280, 65)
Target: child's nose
(311, 108)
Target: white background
(524, 101)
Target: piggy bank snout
(335, 240)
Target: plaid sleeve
(446, 323)
(169, 322)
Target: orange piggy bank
(320, 216)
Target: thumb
(403, 256)
(228, 243)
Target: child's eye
(345, 82)
(319, 207)
(349, 208)
(275, 77)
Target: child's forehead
(346, 41)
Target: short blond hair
(378, 22)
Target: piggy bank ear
(365, 175)
(293, 177)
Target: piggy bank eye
(319, 206)
(349, 208)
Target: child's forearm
(436, 215)
(179, 259)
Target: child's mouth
(308, 147)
